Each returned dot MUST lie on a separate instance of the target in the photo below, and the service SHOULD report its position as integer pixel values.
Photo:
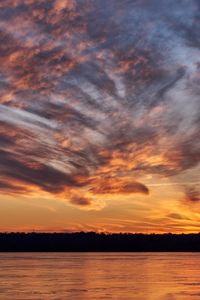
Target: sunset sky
(100, 115)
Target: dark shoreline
(98, 242)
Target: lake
(85, 276)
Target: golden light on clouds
(99, 116)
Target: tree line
(91, 241)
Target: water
(85, 276)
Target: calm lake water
(84, 276)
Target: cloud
(96, 95)
(192, 194)
(7, 188)
(77, 200)
(177, 216)
(115, 186)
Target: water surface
(85, 276)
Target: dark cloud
(82, 201)
(34, 173)
(93, 89)
(11, 188)
(135, 187)
(115, 186)
(192, 194)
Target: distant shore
(98, 242)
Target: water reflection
(145, 276)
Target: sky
(100, 115)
